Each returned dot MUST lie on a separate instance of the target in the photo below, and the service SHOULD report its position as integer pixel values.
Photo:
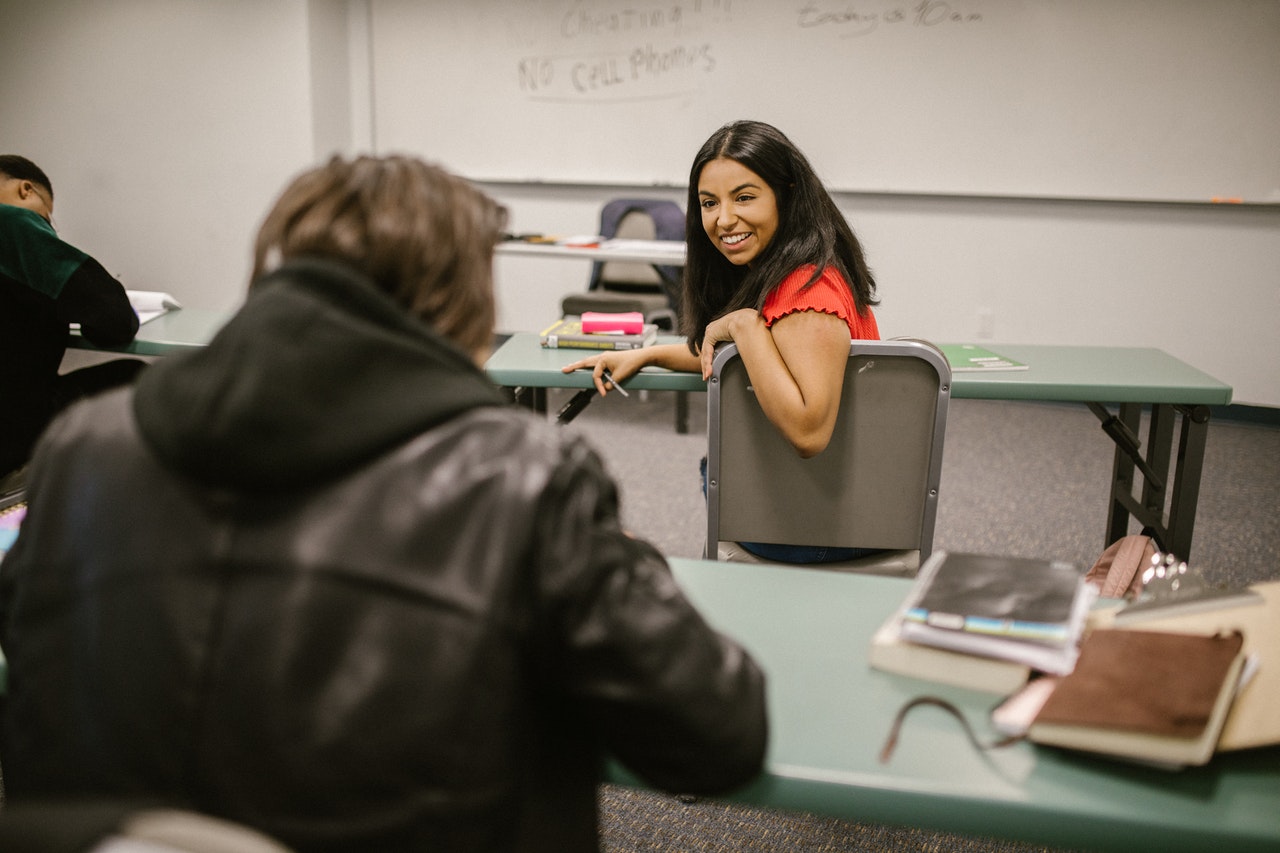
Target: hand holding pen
(607, 375)
(579, 401)
(602, 367)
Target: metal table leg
(1172, 532)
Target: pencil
(608, 377)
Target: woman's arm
(797, 367)
(624, 363)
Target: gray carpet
(1023, 479)
(633, 821)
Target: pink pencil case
(628, 323)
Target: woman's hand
(619, 363)
(728, 328)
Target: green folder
(968, 357)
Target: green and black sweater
(45, 285)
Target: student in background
(319, 579)
(46, 284)
(774, 267)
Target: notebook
(1027, 610)
(12, 510)
(150, 304)
(1154, 697)
(1253, 720)
(969, 357)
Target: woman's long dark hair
(811, 230)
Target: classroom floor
(1023, 479)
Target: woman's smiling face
(739, 210)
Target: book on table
(568, 333)
(890, 653)
(150, 304)
(1029, 611)
(1154, 697)
(971, 357)
(1190, 594)
(1252, 721)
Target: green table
(173, 331)
(830, 713)
(1129, 378)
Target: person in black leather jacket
(317, 578)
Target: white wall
(169, 126)
(166, 127)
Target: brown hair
(424, 236)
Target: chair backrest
(875, 486)
(640, 219)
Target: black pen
(608, 377)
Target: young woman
(774, 267)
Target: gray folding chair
(875, 486)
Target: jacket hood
(316, 374)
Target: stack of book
(1164, 686)
(1252, 720)
(986, 622)
(599, 330)
(1152, 697)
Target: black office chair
(875, 486)
(625, 286)
(651, 289)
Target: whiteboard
(1160, 100)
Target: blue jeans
(796, 553)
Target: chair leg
(682, 412)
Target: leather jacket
(317, 579)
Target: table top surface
(173, 331)
(830, 714)
(1064, 373)
(522, 360)
(1093, 374)
(665, 252)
